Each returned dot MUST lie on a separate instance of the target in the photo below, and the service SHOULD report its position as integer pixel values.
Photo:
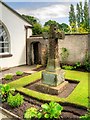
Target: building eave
(20, 16)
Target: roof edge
(15, 12)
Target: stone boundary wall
(77, 46)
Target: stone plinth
(53, 78)
(52, 90)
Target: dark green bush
(19, 73)
(15, 101)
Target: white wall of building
(15, 26)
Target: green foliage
(72, 18)
(30, 19)
(85, 117)
(49, 111)
(64, 27)
(19, 73)
(4, 92)
(81, 18)
(64, 54)
(8, 76)
(31, 113)
(15, 101)
(87, 61)
(67, 67)
(78, 64)
(37, 29)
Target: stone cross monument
(53, 75)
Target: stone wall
(77, 46)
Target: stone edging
(9, 114)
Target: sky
(44, 10)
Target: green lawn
(78, 96)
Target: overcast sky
(43, 10)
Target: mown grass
(78, 96)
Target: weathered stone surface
(53, 78)
(53, 75)
(52, 90)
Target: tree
(49, 22)
(72, 19)
(37, 29)
(78, 15)
(64, 27)
(30, 19)
(86, 15)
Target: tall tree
(86, 15)
(81, 12)
(72, 18)
(78, 15)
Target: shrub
(66, 67)
(4, 92)
(49, 111)
(78, 64)
(8, 76)
(19, 73)
(15, 101)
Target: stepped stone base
(52, 90)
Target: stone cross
(53, 75)
(53, 56)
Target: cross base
(53, 78)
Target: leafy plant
(85, 117)
(67, 67)
(19, 73)
(8, 76)
(32, 113)
(78, 64)
(4, 92)
(87, 62)
(51, 110)
(48, 111)
(15, 101)
(64, 54)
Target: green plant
(8, 76)
(4, 92)
(87, 61)
(64, 54)
(15, 101)
(85, 117)
(32, 113)
(78, 64)
(66, 67)
(19, 73)
(51, 110)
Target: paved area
(24, 68)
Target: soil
(66, 92)
(69, 112)
(15, 77)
